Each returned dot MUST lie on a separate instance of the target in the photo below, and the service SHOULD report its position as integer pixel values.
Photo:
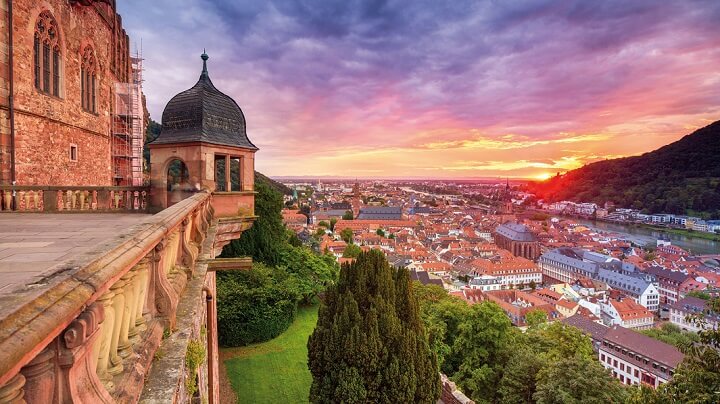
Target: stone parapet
(89, 333)
(18, 198)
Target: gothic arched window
(46, 52)
(88, 80)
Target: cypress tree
(369, 345)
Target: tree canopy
(369, 345)
(259, 304)
(351, 251)
(492, 361)
(267, 236)
(347, 235)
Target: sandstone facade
(46, 126)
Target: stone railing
(73, 199)
(89, 333)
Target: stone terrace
(35, 246)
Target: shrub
(256, 305)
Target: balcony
(106, 304)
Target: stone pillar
(102, 349)
(142, 268)
(135, 286)
(118, 306)
(228, 181)
(40, 377)
(79, 382)
(165, 299)
(124, 345)
(12, 392)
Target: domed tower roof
(204, 114)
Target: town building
(425, 278)
(569, 265)
(517, 239)
(72, 95)
(692, 314)
(668, 283)
(593, 329)
(517, 304)
(485, 283)
(642, 290)
(627, 313)
(511, 271)
(635, 359)
(380, 213)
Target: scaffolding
(128, 128)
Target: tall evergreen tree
(369, 345)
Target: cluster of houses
(608, 212)
(597, 282)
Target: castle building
(71, 108)
(83, 319)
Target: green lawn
(274, 371)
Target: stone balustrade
(89, 334)
(73, 199)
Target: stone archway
(178, 181)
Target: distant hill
(681, 178)
(281, 188)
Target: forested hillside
(682, 177)
(276, 186)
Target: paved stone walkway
(33, 245)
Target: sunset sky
(441, 89)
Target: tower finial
(204, 58)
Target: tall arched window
(46, 52)
(88, 79)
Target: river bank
(645, 235)
(683, 232)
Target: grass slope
(274, 371)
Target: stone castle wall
(46, 126)
(451, 394)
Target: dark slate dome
(204, 114)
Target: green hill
(281, 188)
(681, 178)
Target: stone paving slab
(35, 245)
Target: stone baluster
(118, 305)
(83, 196)
(142, 268)
(71, 199)
(124, 344)
(117, 195)
(135, 286)
(40, 377)
(36, 200)
(12, 392)
(102, 350)
(189, 251)
(79, 382)
(163, 295)
(7, 199)
(22, 204)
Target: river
(645, 236)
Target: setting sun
(543, 176)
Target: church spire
(204, 58)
